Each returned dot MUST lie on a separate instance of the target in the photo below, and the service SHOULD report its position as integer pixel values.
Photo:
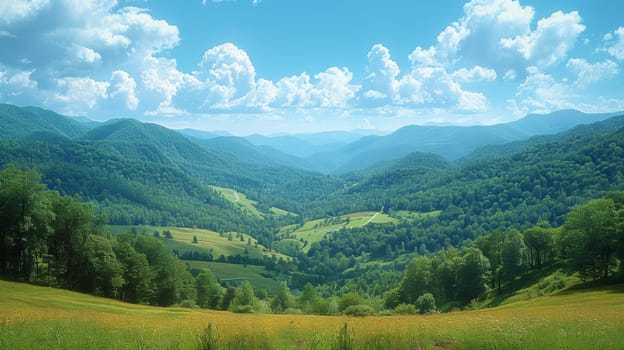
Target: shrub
(405, 309)
(243, 309)
(359, 310)
(426, 303)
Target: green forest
(458, 234)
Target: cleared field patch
(209, 242)
(247, 205)
(42, 318)
(234, 274)
(314, 230)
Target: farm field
(207, 241)
(235, 273)
(34, 317)
(247, 205)
(314, 230)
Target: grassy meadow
(314, 230)
(45, 318)
(207, 241)
(234, 273)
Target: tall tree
(25, 215)
(416, 280)
(590, 232)
(513, 257)
(209, 292)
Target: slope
(36, 123)
(79, 321)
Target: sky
(300, 66)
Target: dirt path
(236, 197)
(371, 219)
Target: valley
(143, 214)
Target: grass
(234, 274)
(207, 241)
(247, 205)
(314, 230)
(46, 318)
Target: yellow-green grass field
(207, 241)
(235, 273)
(246, 205)
(46, 318)
(314, 230)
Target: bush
(243, 309)
(405, 309)
(350, 299)
(426, 303)
(359, 310)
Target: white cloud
(333, 88)
(161, 77)
(228, 73)
(380, 84)
(435, 87)
(294, 91)
(475, 38)
(542, 93)
(475, 74)
(551, 41)
(587, 73)
(123, 87)
(81, 94)
(615, 43)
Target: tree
(194, 239)
(472, 275)
(138, 285)
(281, 301)
(209, 292)
(244, 299)
(25, 215)
(72, 224)
(513, 257)
(416, 280)
(590, 232)
(308, 297)
(539, 242)
(425, 303)
(102, 271)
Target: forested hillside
(362, 232)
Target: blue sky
(274, 66)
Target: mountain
(248, 152)
(451, 142)
(498, 151)
(200, 134)
(304, 145)
(36, 123)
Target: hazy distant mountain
(451, 142)
(304, 145)
(248, 152)
(200, 134)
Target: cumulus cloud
(615, 43)
(587, 73)
(497, 34)
(542, 93)
(380, 84)
(550, 42)
(81, 94)
(123, 88)
(227, 72)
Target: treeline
(590, 242)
